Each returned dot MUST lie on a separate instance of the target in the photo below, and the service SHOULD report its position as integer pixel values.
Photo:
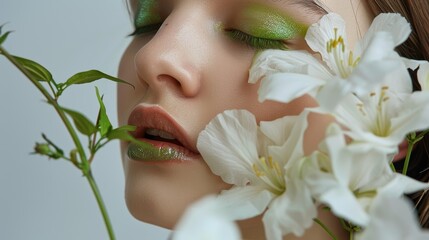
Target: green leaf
(122, 133)
(91, 76)
(1, 28)
(4, 36)
(103, 124)
(59, 150)
(36, 70)
(82, 123)
(128, 128)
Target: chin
(160, 194)
(153, 209)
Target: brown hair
(416, 47)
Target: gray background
(47, 199)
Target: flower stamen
(344, 62)
(269, 171)
(382, 123)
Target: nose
(174, 58)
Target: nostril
(187, 84)
(170, 80)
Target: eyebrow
(312, 5)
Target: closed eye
(256, 42)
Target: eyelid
(261, 20)
(256, 42)
(251, 41)
(148, 17)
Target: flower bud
(45, 149)
(42, 149)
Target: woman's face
(186, 73)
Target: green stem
(352, 235)
(345, 225)
(327, 230)
(407, 158)
(392, 166)
(52, 89)
(51, 101)
(411, 143)
(101, 205)
(92, 143)
(86, 169)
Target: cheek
(128, 96)
(270, 110)
(123, 91)
(234, 92)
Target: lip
(144, 117)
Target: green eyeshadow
(147, 13)
(263, 21)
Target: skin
(194, 71)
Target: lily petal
(206, 220)
(380, 46)
(393, 24)
(292, 149)
(327, 190)
(245, 202)
(229, 146)
(272, 61)
(401, 184)
(344, 204)
(285, 87)
(279, 129)
(292, 212)
(399, 224)
(320, 33)
(423, 76)
(378, 60)
(349, 114)
(332, 93)
(413, 117)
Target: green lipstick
(148, 152)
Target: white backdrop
(47, 199)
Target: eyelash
(146, 29)
(249, 40)
(256, 42)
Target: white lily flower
(260, 162)
(348, 178)
(423, 76)
(393, 219)
(290, 74)
(386, 115)
(207, 219)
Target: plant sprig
(98, 134)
